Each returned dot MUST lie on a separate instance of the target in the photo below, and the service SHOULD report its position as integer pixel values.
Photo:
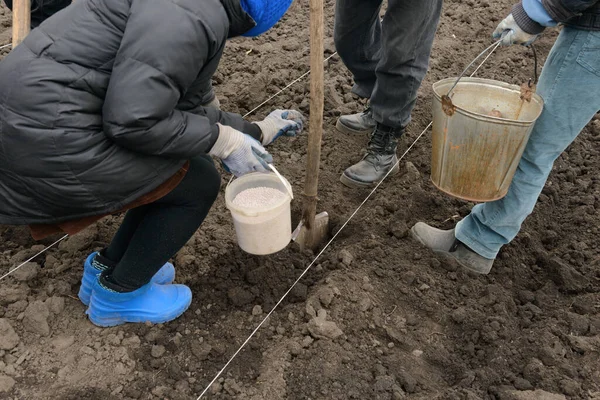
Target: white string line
(281, 91)
(5, 46)
(325, 248)
(25, 262)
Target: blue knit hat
(265, 13)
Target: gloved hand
(514, 33)
(280, 122)
(240, 153)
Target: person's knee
(207, 177)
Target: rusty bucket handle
(493, 46)
(526, 89)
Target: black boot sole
(351, 183)
(346, 129)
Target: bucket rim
(251, 212)
(472, 114)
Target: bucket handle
(527, 89)
(284, 183)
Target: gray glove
(280, 122)
(514, 33)
(240, 153)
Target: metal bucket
(475, 155)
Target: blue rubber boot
(152, 303)
(92, 269)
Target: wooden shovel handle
(316, 110)
(21, 21)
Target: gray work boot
(214, 103)
(357, 123)
(380, 158)
(446, 244)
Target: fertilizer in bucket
(260, 207)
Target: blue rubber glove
(280, 122)
(240, 153)
(514, 33)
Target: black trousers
(151, 234)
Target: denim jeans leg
(569, 85)
(357, 36)
(408, 31)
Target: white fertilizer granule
(260, 197)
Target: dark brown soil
(412, 325)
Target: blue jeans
(570, 87)
(388, 59)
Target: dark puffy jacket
(582, 14)
(100, 104)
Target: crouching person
(100, 113)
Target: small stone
(365, 303)
(534, 371)
(299, 292)
(326, 296)
(201, 350)
(131, 342)
(398, 228)
(526, 296)
(257, 310)
(391, 345)
(322, 329)
(570, 387)
(8, 337)
(113, 339)
(239, 296)
(578, 323)
(424, 287)
(398, 394)
(459, 315)
(409, 384)
(345, 257)
(63, 342)
(307, 341)
(6, 383)
(295, 348)
(409, 277)
(522, 384)
(567, 278)
(411, 320)
(417, 353)
(27, 272)
(56, 304)
(157, 351)
(216, 388)
(35, 319)
(384, 383)
(12, 294)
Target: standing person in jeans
(388, 60)
(570, 87)
(100, 113)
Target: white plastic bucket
(264, 230)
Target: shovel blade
(312, 238)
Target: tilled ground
(378, 317)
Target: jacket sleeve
(230, 119)
(163, 48)
(564, 10)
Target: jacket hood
(240, 21)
